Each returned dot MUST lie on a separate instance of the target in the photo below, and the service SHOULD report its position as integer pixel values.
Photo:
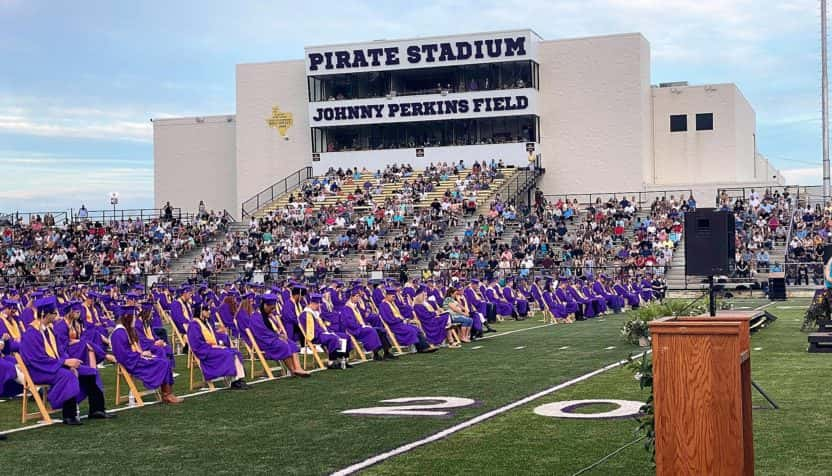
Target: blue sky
(79, 81)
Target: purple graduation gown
(503, 308)
(46, 370)
(216, 362)
(153, 372)
(558, 309)
(179, 315)
(270, 343)
(406, 334)
(289, 316)
(434, 323)
(366, 334)
(331, 341)
(516, 299)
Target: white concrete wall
(512, 154)
(595, 113)
(195, 161)
(724, 154)
(263, 156)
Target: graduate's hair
(126, 320)
(232, 304)
(246, 306)
(265, 316)
(145, 314)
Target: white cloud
(51, 117)
(803, 176)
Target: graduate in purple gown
(216, 360)
(292, 307)
(435, 323)
(353, 323)
(11, 330)
(565, 297)
(314, 329)
(149, 339)
(153, 370)
(495, 296)
(406, 334)
(180, 309)
(632, 299)
(268, 332)
(521, 305)
(602, 289)
(70, 381)
(74, 341)
(226, 312)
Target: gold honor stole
(395, 310)
(12, 326)
(310, 324)
(207, 333)
(91, 317)
(185, 311)
(356, 314)
(49, 343)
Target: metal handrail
(644, 197)
(269, 194)
(142, 214)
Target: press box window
(678, 123)
(705, 122)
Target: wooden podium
(702, 395)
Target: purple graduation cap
(315, 297)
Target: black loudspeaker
(709, 243)
(827, 254)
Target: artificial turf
(294, 426)
(787, 441)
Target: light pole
(114, 202)
(825, 99)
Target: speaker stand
(711, 297)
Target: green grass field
(294, 426)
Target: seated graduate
(180, 309)
(152, 369)
(520, 303)
(73, 339)
(435, 323)
(149, 338)
(11, 378)
(216, 359)
(315, 330)
(70, 381)
(268, 332)
(406, 333)
(354, 323)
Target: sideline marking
(564, 347)
(476, 347)
(473, 421)
(609, 348)
(253, 382)
(521, 347)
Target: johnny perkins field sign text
(410, 110)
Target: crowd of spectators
(761, 223)
(114, 251)
(812, 230)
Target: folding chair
(392, 337)
(193, 362)
(29, 388)
(312, 348)
(256, 354)
(178, 337)
(123, 374)
(356, 347)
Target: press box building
(586, 106)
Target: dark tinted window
(705, 122)
(678, 123)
